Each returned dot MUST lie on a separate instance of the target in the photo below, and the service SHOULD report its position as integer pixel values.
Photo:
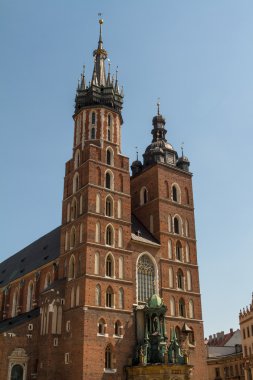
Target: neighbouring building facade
(116, 286)
(246, 326)
(224, 356)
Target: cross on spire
(136, 149)
(158, 106)
(182, 148)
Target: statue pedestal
(160, 372)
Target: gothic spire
(100, 54)
(83, 84)
(101, 90)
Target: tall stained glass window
(146, 278)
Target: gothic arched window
(47, 281)
(179, 251)
(109, 266)
(72, 237)
(93, 133)
(146, 278)
(75, 182)
(176, 225)
(108, 357)
(77, 159)
(191, 337)
(176, 194)
(17, 372)
(73, 209)
(109, 156)
(108, 181)
(181, 307)
(101, 326)
(93, 118)
(109, 133)
(29, 303)
(117, 328)
(109, 238)
(109, 297)
(180, 279)
(109, 206)
(143, 196)
(109, 120)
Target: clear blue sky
(197, 56)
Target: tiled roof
(8, 324)
(35, 255)
(141, 234)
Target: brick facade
(82, 301)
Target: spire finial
(116, 87)
(136, 148)
(83, 70)
(158, 106)
(182, 148)
(109, 65)
(101, 21)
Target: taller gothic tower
(96, 256)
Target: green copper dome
(155, 301)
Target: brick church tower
(80, 306)
(96, 225)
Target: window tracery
(146, 278)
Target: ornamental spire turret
(108, 80)
(100, 54)
(101, 90)
(83, 84)
(159, 151)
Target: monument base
(160, 372)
